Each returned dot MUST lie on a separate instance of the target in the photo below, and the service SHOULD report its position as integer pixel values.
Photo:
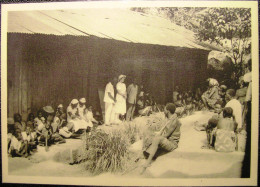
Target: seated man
(225, 138)
(167, 138)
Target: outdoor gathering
(147, 92)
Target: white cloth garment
(237, 111)
(109, 89)
(78, 123)
(16, 144)
(120, 106)
(109, 113)
(81, 110)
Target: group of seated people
(226, 131)
(48, 127)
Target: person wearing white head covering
(82, 107)
(72, 114)
(211, 96)
(120, 106)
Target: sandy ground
(187, 161)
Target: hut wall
(49, 70)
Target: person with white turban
(211, 96)
(72, 114)
(82, 107)
(120, 106)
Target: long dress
(120, 106)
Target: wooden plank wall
(49, 70)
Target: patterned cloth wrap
(226, 141)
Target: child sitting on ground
(30, 136)
(88, 114)
(18, 147)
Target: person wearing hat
(120, 106)
(132, 91)
(109, 100)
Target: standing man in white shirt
(109, 99)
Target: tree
(231, 29)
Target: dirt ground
(187, 161)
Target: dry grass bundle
(132, 132)
(106, 152)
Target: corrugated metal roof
(118, 24)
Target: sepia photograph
(130, 93)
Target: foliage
(229, 28)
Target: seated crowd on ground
(48, 127)
(121, 103)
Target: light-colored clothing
(237, 111)
(109, 113)
(78, 123)
(21, 126)
(15, 144)
(81, 110)
(65, 132)
(132, 91)
(248, 78)
(109, 89)
(174, 96)
(120, 106)
(225, 141)
(28, 137)
(73, 112)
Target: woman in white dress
(120, 106)
(73, 116)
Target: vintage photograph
(130, 92)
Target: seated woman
(225, 137)
(74, 117)
(211, 96)
(216, 123)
